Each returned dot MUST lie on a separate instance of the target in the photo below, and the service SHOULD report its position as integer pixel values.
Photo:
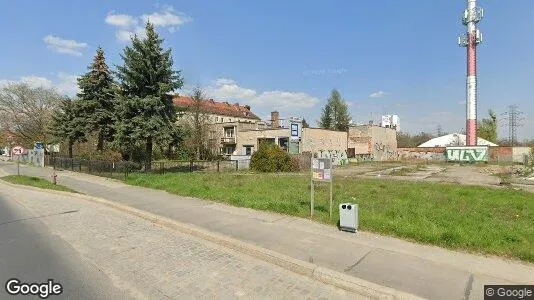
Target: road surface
(96, 252)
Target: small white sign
(18, 150)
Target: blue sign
(38, 146)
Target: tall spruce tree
(335, 114)
(340, 111)
(326, 120)
(145, 111)
(66, 126)
(97, 99)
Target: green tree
(97, 100)
(326, 120)
(335, 114)
(305, 124)
(145, 111)
(66, 126)
(487, 128)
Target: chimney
(275, 117)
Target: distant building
(453, 139)
(390, 121)
(372, 142)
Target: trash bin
(348, 217)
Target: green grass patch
(476, 219)
(36, 182)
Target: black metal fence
(202, 166)
(121, 169)
(118, 170)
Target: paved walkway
(426, 271)
(153, 262)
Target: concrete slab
(412, 274)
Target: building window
(248, 150)
(230, 150)
(216, 119)
(229, 132)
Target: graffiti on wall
(339, 157)
(385, 152)
(467, 154)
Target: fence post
(72, 164)
(162, 167)
(237, 165)
(191, 166)
(218, 165)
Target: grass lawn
(477, 219)
(36, 182)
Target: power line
(512, 119)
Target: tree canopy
(145, 111)
(26, 111)
(335, 114)
(66, 124)
(97, 100)
(487, 128)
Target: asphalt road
(33, 254)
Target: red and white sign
(17, 150)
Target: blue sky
(384, 56)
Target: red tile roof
(217, 108)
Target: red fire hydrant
(54, 178)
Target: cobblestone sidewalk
(157, 263)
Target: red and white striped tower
(472, 15)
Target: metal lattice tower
(472, 15)
(512, 119)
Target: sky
(384, 56)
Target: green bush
(271, 158)
(106, 155)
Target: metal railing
(118, 170)
(121, 169)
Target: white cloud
(223, 89)
(121, 20)
(167, 18)
(63, 83)
(67, 84)
(379, 94)
(64, 46)
(128, 26)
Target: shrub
(271, 158)
(106, 155)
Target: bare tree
(202, 137)
(26, 112)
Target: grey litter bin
(348, 217)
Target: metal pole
(331, 179)
(311, 185)
(18, 166)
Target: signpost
(321, 171)
(18, 150)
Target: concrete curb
(324, 275)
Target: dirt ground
(482, 175)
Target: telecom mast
(472, 15)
